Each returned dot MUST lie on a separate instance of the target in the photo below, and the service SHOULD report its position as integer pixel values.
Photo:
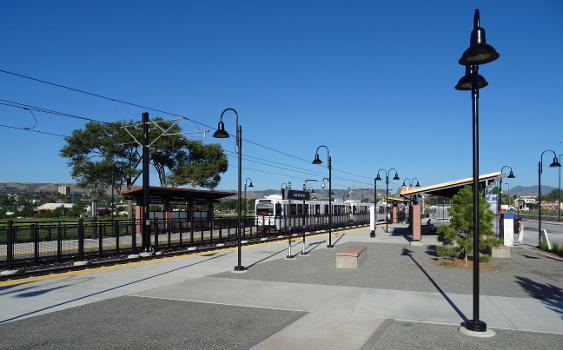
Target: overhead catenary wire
(30, 130)
(112, 99)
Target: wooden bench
(351, 257)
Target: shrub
(484, 258)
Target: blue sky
(374, 81)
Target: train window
(292, 210)
(354, 210)
(317, 209)
(299, 209)
(326, 209)
(264, 209)
(306, 209)
(278, 209)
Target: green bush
(484, 258)
(555, 249)
(444, 251)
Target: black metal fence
(25, 244)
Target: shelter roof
(448, 189)
(166, 194)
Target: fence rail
(27, 244)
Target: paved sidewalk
(399, 298)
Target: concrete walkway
(399, 296)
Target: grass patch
(555, 248)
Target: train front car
(265, 212)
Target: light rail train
(284, 215)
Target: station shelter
(445, 189)
(397, 208)
(166, 196)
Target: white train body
(284, 214)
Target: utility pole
(145, 225)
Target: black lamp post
(303, 252)
(554, 164)
(221, 134)
(479, 52)
(317, 160)
(378, 178)
(246, 204)
(288, 214)
(510, 176)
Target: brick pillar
(167, 216)
(415, 222)
(138, 218)
(395, 213)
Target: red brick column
(167, 216)
(395, 213)
(138, 218)
(415, 222)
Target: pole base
(330, 246)
(372, 234)
(478, 329)
(240, 269)
(476, 326)
(290, 257)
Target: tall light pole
(479, 52)
(559, 205)
(221, 134)
(554, 164)
(372, 232)
(317, 160)
(395, 178)
(510, 176)
(288, 214)
(303, 252)
(246, 204)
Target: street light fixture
(317, 160)
(378, 178)
(479, 52)
(221, 134)
(554, 164)
(246, 204)
(510, 176)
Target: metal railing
(27, 244)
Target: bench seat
(351, 257)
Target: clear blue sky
(374, 81)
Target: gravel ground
(396, 266)
(145, 323)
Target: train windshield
(265, 209)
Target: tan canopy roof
(448, 189)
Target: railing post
(169, 229)
(100, 230)
(59, 242)
(180, 222)
(192, 230)
(116, 231)
(202, 227)
(134, 236)
(220, 228)
(81, 239)
(156, 232)
(10, 245)
(35, 235)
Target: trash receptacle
(508, 229)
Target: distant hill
(30, 187)
(530, 190)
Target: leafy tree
(101, 150)
(458, 235)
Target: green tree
(102, 151)
(458, 235)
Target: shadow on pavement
(109, 289)
(547, 293)
(408, 253)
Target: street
(554, 231)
